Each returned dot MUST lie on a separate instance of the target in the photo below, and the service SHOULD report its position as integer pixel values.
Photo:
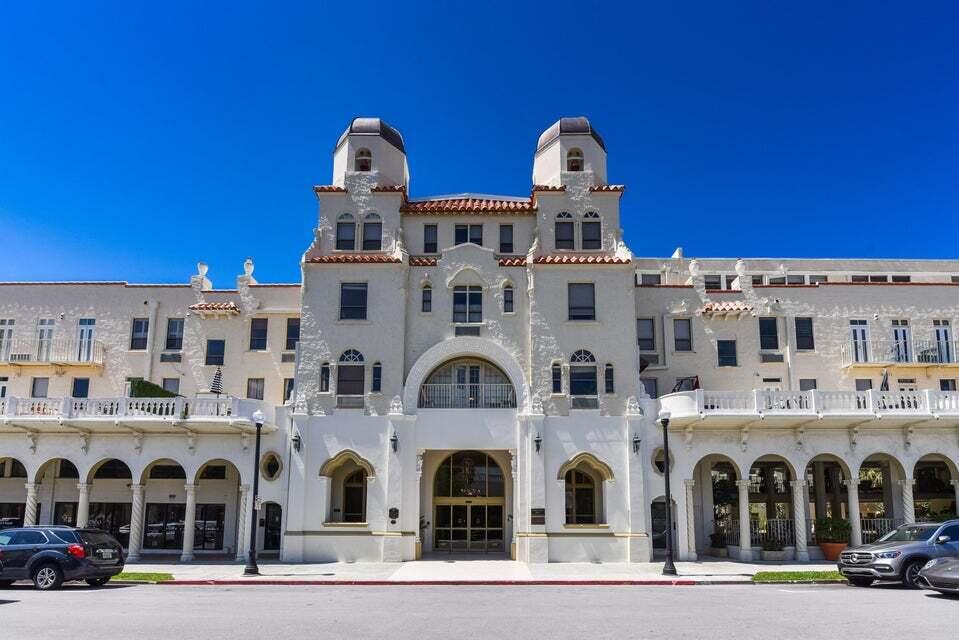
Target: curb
(434, 583)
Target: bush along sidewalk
(140, 576)
(797, 577)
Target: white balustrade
(728, 401)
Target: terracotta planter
(831, 550)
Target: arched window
(354, 497)
(376, 378)
(565, 236)
(592, 233)
(557, 376)
(609, 379)
(372, 232)
(574, 160)
(582, 380)
(508, 299)
(350, 380)
(581, 497)
(363, 160)
(345, 232)
(426, 299)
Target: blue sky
(136, 138)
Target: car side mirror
(943, 539)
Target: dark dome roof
(373, 127)
(573, 126)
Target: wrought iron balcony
(916, 353)
(24, 351)
(467, 396)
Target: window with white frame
(467, 304)
(426, 299)
(582, 380)
(592, 233)
(468, 234)
(508, 299)
(646, 332)
(565, 231)
(372, 232)
(350, 377)
(345, 232)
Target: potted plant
(774, 550)
(832, 535)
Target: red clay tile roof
(328, 188)
(227, 307)
(732, 306)
(422, 261)
(609, 187)
(469, 204)
(512, 262)
(389, 188)
(355, 258)
(548, 187)
(578, 259)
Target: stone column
(819, 488)
(241, 525)
(189, 524)
(852, 486)
(83, 504)
(690, 519)
(908, 504)
(30, 513)
(136, 524)
(745, 539)
(800, 507)
(955, 486)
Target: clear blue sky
(138, 138)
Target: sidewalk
(444, 569)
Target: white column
(690, 519)
(418, 501)
(30, 513)
(136, 523)
(83, 504)
(800, 506)
(908, 504)
(241, 524)
(745, 541)
(852, 491)
(189, 524)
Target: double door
(469, 525)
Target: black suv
(51, 555)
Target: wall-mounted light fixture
(395, 441)
(538, 441)
(297, 442)
(636, 443)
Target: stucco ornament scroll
(632, 407)
(536, 405)
(396, 406)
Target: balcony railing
(768, 402)
(25, 351)
(99, 408)
(467, 396)
(889, 352)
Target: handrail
(467, 396)
(53, 351)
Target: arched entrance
(13, 496)
(467, 383)
(469, 504)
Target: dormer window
(363, 161)
(592, 231)
(574, 160)
(372, 232)
(345, 232)
(564, 231)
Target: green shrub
(833, 530)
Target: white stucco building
(483, 374)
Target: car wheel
(860, 582)
(47, 577)
(911, 572)
(97, 582)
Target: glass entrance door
(469, 527)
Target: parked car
(50, 556)
(940, 574)
(900, 554)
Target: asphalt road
(144, 612)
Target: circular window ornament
(271, 466)
(659, 461)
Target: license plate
(106, 554)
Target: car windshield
(911, 533)
(5, 538)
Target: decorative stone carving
(536, 405)
(396, 406)
(632, 405)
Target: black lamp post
(251, 567)
(669, 569)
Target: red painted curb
(433, 583)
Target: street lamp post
(669, 569)
(251, 567)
